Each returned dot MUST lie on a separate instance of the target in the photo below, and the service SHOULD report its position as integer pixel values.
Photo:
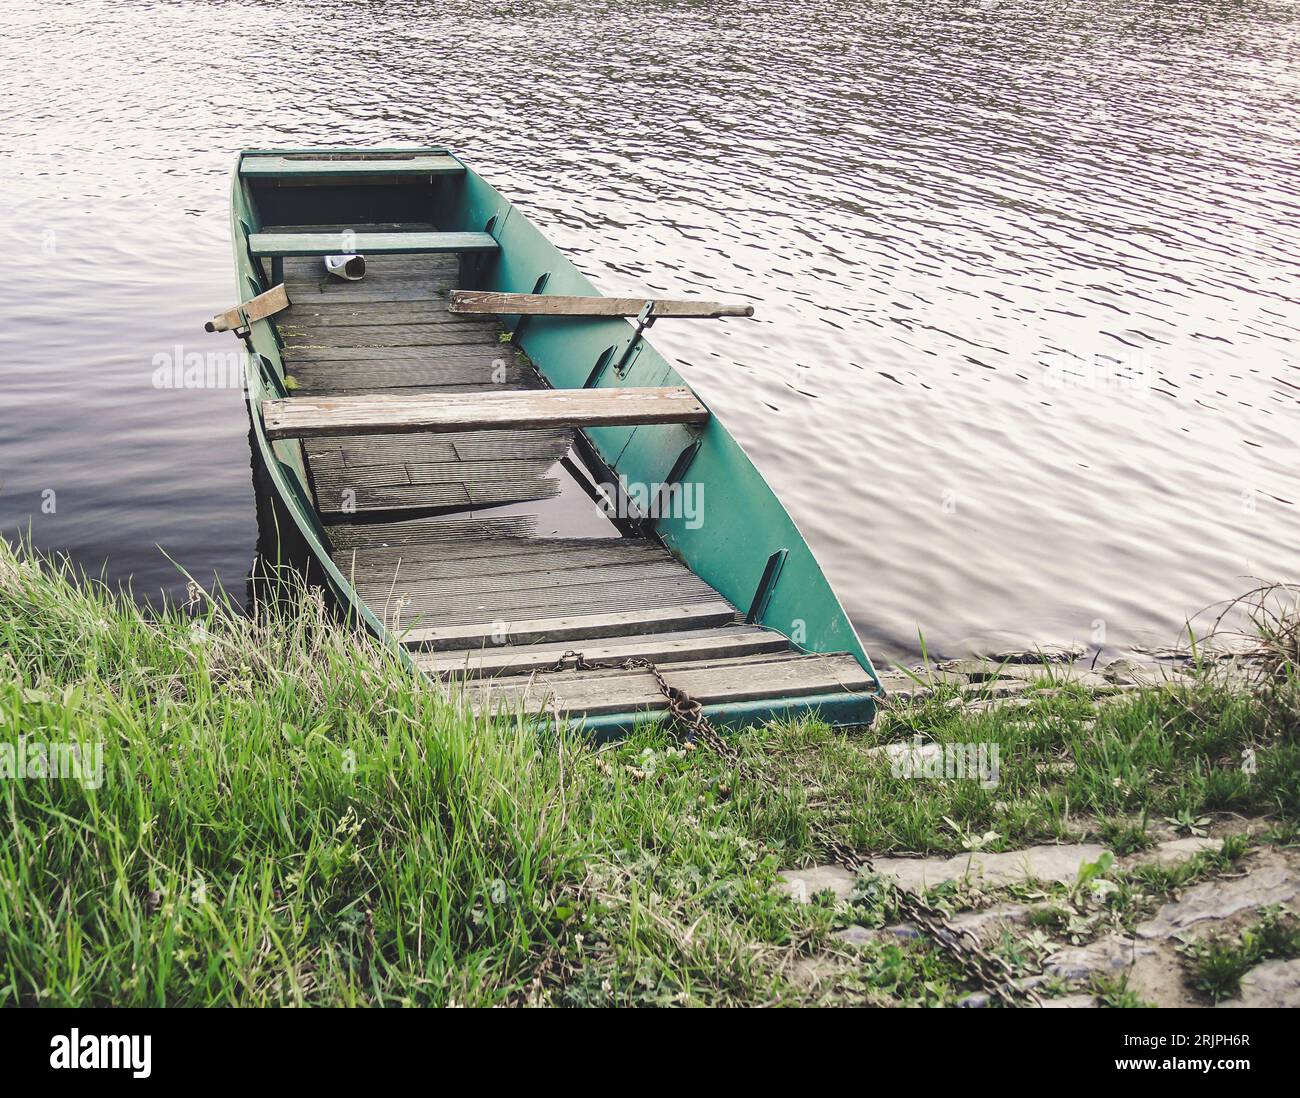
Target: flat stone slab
(1047, 653)
(1035, 863)
(1127, 673)
(975, 923)
(1108, 955)
(981, 681)
(1059, 863)
(976, 1000)
(1070, 1002)
(916, 753)
(803, 884)
(1175, 851)
(972, 669)
(981, 999)
(1272, 984)
(1263, 886)
(979, 923)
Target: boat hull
(744, 544)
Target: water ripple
(1026, 351)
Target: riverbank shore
(272, 810)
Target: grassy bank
(287, 816)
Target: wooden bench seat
(665, 648)
(307, 167)
(576, 626)
(718, 680)
(306, 417)
(281, 245)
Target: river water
(1025, 362)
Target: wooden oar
(478, 301)
(259, 308)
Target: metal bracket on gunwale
(644, 319)
(674, 478)
(766, 585)
(538, 287)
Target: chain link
(686, 710)
(990, 972)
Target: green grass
(288, 816)
(1218, 963)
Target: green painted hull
(747, 530)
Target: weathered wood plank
(364, 243)
(665, 649)
(471, 590)
(316, 291)
(479, 301)
(329, 313)
(440, 530)
(537, 445)
(320, 416)
(729, 681)
(290, 167)
(517, 563)
(341, 488)
(478, 472)
(332, 466)
(273, 301)
(384, 451)
(510, 545)
(573, 627)
(505, 606)
(466, 375)
(299, 335)
(423, 497)
(689, 663)
(523, 477)
(335, 475)
(460, 561)
(370, 226)
(435, 273)
(487, 353)
(395, 269)
(484, 601)
(362, 450)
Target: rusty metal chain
(990, 972)
(686, 710)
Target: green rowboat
(495, 469)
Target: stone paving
(1272, 984)
(1150, 957)
(1059, 863)
(1006, 677)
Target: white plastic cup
(351, 267)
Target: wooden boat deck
(392, 333)
(485, 602)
